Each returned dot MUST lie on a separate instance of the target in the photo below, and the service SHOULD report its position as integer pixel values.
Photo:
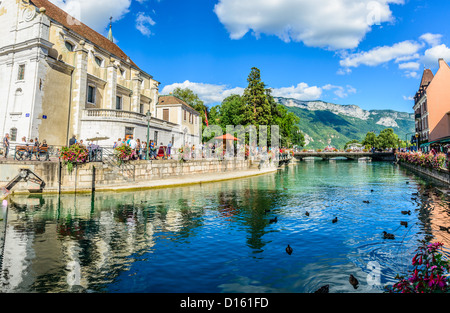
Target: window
(118, 103)
(69, 46)
(91, 94)
(98, 61)
(166, 115)
(13, 132)
(129, 131)
(21, 72)
(185, 112)
(141, 108)
(155, 137)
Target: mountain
(324, 123)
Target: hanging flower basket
(73, 155)
(123, 153)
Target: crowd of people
(139, 148)
(31, 146)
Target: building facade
(59, 78)
(432, 107)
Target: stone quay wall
(442, 175)
(130, 175)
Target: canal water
(221, 237)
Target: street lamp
(148, 117)
(417, 140)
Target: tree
(387, 139)
(370, 140)
(257, 109)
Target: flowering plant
(73, 155)
(430, 273)
(425, 160)
(123, 153)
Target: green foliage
(387, 139)
(370, 139)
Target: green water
(218, 237)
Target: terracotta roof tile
(172, 100)
(60, 16)
(427, 77)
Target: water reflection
(218, 237)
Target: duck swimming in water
(365, 201)
(388, 236)
(335, 220)
(273, 220)
(307, 213)
(323, 289)
(289, 250)
(353, 281)
(406, 212)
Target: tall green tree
(257, 109)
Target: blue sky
(370, 53)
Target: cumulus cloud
(143, 23)
(95, 14)
(332, 24)
(409, 66)
(208, 93)
(211, 94)
(432, 55)
(431, 39)
(300, 92)
(380, 55)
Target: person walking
(6, 145)
(72, 140)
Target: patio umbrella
(227, 137)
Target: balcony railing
(113, 114)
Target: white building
(59, 78)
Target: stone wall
(130, 175)
(441, 175)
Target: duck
(366, 201)
(307, 213)
(323, 289)
(407, 182)
(371, 190)
(415, 194)
(289, 250)
(335, 220)
(266, 211)
(273, 220)
(406, 212)
(353, 281)
(388, 236)
(414, 198)
(404, 223)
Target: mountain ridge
(325, 123)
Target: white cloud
(208, 93)
(432, 55)
(380, 55)
(143, 23)
(211, 94)
(431, 39)
(333, 24)
(409, 66)
(409, 98)
(300, 92)
(95, 14)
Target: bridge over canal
(375, 156)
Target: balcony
(115, 115)
(418, 116)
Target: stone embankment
(134, 175)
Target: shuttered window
(166, 115)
